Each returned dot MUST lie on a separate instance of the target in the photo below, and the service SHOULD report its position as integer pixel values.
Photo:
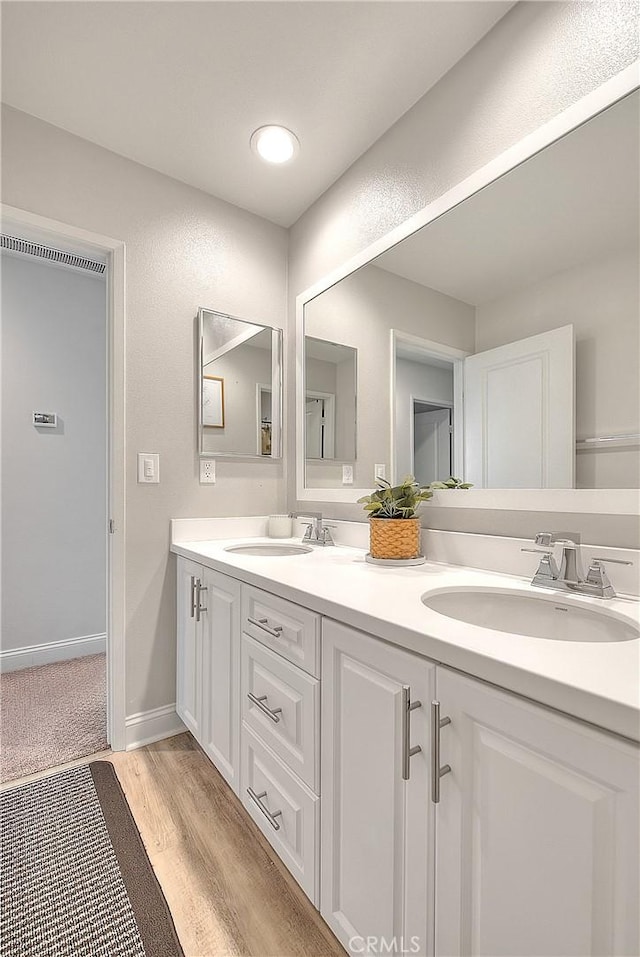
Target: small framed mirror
(239, 387)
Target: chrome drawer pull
(193, 596)
(199, 608)
(262, 623)
(257, 799)
(437, 771)
(407, 751)
(260, 702)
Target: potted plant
(394, 528)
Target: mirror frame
(598, 501)
(276, 391)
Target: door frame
(261, 388)
(329, 435)
(42, 229)
(434, 350)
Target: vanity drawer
(284, 809)
(287, 718)
(292, 631)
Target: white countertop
(597, 682)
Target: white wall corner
(149, 726)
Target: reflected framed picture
(212, 402)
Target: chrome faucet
(568, 575)
(316, 533)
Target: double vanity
(445, 757)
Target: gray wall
(53, 480)
(184, 249)
(537, 61)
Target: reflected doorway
(431, 441)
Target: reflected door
(315, 428)
(519, 412)
(432, 445)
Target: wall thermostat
(48, 420)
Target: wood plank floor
(227, 890)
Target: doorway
(54, 506)
(48, 433)
(432, 441)
(320, 425)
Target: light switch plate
(207, 471)
(148, 468)
(379, 471)
(347, 474)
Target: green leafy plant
(451, 483)
(403, 501)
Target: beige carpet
(52, 714)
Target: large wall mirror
(500, 342)
(239, 387)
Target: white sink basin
(267, 550)
(534, 616)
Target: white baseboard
(149, 726)
(29, 657)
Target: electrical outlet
(207, 471)
(148, 468)
(347, 474)
(379, 471)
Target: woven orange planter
(396, 538)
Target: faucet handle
(542, 538)
(597, 578)
(547, 569)
(607, 561)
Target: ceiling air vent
(16, 245)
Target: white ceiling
(180, 86)
(570, 204)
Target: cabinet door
(221, 673)
(537, 830)
(189, 650)
(376, 847)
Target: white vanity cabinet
(332, 739)
(536, 830)
(208, 663)
(376, 846)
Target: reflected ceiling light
(275, 144)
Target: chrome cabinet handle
(193, 596)
(199, 607)
(262, 623)
(407, 751)
(257, 799)
(260, 702)
(437, 771)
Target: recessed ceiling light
(275, 144)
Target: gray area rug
(75, 878)
(52, 714)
